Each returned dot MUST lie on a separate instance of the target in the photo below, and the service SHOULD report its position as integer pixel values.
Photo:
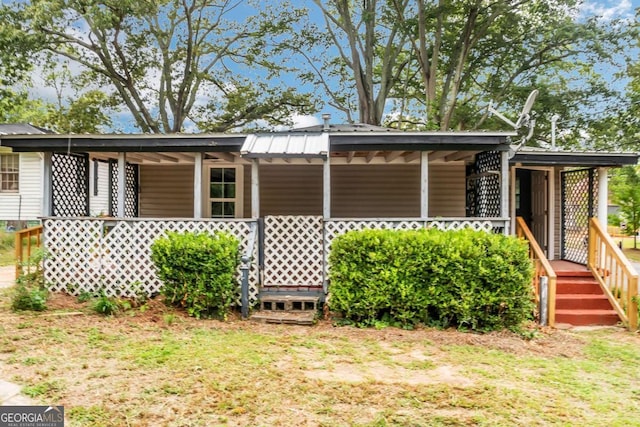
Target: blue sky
(608, 9)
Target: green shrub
(106, 305)
(29, 298)
(30, 292)
(469, 279)
(198, 271)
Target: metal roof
(537, 156)
(21, 129)
(292, 145)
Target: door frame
(551, 205)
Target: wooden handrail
(615, 274)
(21, 247)
(542, 267)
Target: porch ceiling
(337, 158)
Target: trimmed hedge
(198, 271)
(468, 279)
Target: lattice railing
(93, 254)
(131, 189)
(293, 251)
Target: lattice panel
(115, 256)
(293, 251)
(70, 185)
(487, 226)
(483, 186)
(579, 193)
(131, 192)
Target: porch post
(255, 189)
(197, 186)
(603, 197)
(122, 183)
(424, 185)
(551, 213)
(512, 198)
(47, 185)
(326, 187)
(504, 190)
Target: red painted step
(582, 302)
(577, 285)
(587, 317)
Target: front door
(293, 251)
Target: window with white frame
(225, 191)
(9, 173)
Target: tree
(625, 191)
(440, 62)
(163, 59)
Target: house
(22, 178)
(287, 195)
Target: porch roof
(286, 145)
(535, 156)
(338, 141)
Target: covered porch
(284, 195)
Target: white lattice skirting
(115, 255)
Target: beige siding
(370, 191)
(290, 190)
(166, 191)
(447, 190)
(26, 204)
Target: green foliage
(198, 271)
(29, 298)
(625, 192)
(106, 305)
(30, 292)
(465, 278)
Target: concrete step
(587, 317)
(285, 317)
(582, 302)
(289, 302)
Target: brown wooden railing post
(542, 268)
(18, 252)
(27, 233)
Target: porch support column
(47, 185)
(326, 187)
(551, 214)
(197, 185)
(424, 185)
(512, 199)
(504, 190)
(255, 188)
(122, 183)
(603, 197)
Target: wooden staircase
(580, 300)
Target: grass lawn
(157, 367)
(627, 248)
(7, 253)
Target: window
(225, 192)
(9, 173)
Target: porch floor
(561, 266)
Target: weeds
(106, 305)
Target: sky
(607, 9)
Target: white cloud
(300, 121)
(608, 10)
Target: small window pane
(216, 191)
(230, 191)
(216, 209)
(229, 210)
(229, 175)
(216, 175)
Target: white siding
(99, 203)
(24, 205)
